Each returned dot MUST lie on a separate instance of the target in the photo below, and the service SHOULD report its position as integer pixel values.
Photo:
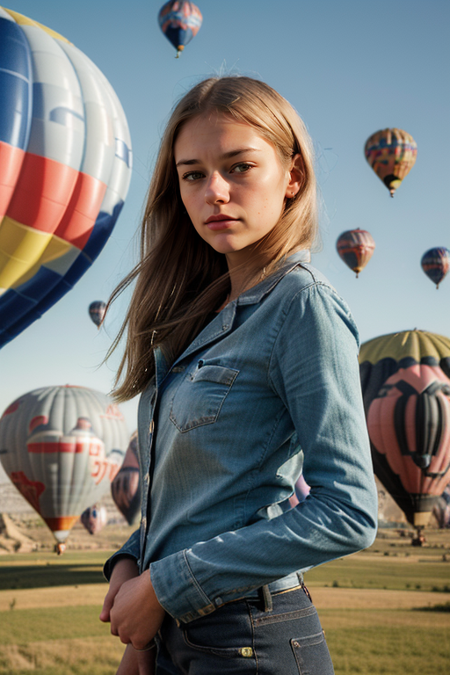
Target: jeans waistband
(283, 584)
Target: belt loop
(302, 584)
(267, 599)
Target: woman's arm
(314, 369)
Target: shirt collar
(256, 293)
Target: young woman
(246, 361)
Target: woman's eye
(193, 175)
(242, 168)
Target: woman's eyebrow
(226, 155)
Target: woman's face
(232, 183)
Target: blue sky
(350, 68)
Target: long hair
(180, 279)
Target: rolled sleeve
(189, 601)
(130, 549)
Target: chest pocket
(200, 396)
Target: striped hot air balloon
(180, 21)
(436, 264)
(65, 167)
(392, 154)
(405, 381)
(62, 447)
(355, 247)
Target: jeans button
(247, 652)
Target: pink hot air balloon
(94, 518)
(409, 424)
(125, 488)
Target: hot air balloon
(355, 247)
(125, 488)
(94, 518)
(180, 21)
(62, 447)
(392, 154)
(65, 167)
(97, 311)
(405, 381)
(436, 263)
(441, 510)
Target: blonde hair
(181, 280)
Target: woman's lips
(221, 224)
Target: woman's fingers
(107, 604)
(124, 570)
(136, 615)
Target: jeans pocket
(223, 652)
(312, 655)
(225, 633)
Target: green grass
(51, 623)
(360, 571)
(388, 642)
(70, 640)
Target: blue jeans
(281, 635)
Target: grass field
(385, 611)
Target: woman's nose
(217, 190)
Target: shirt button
(218, 602)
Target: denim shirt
(268, 389)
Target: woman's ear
(296, 176)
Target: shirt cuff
(129, 550)
(177, 589)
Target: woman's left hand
(136, 614)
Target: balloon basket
(60, 548)
(418, 538)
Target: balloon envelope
(97, 311)
(355, 247)
(180, 21)
(391, 153)
(405, 381)
(441, 509)
(125, 488)
(94, 518)
(436, 263)
(62, 447)
(65, 167)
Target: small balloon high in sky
(436, 264)
(391, 153)
(180, 21)
(65, 168)
(355, 247)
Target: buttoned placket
(162, 371)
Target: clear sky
(350, 68)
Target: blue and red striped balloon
(65, 168)
(180, 21)
(436, 264)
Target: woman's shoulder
(305, 287)
(301, 277)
